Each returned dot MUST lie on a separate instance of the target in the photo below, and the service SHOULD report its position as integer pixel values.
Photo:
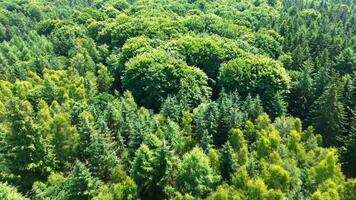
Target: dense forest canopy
(177, 99)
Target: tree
(301, 92)
(152, 77)
(228, 163)
(269, 42)
(278, 106)
(29, 154)
(102, 156)
(350, 150)
(225, 192)
(143, 171)
(173, 109)
(325, 168)
(328, 115)
(257, 190)
(154, 165)
(205, 52)
(195, 176)
(86, 130)
(80, 184)
(141, 124)
(95, 148)
(64, 37)
(8, 192)
(346, 61)
(133, 47)
(327, 190)
(121, 188)
(65, 137)
(252, 107)
(277, 177)
(203, 73)
(104, 79)
(349, 190)
(213, 121)
(255, 75)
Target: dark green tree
(152, 77)
(328, 115)
(80, 184)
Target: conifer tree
(143, 171)
(328, 114)
(80, 184)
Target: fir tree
(328, 114)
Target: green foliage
(123, 187)
(143, 169)
(195, 176)
(346, 61)
(29, 153)
(277, 178)
(65, 137)
(256, 75)
(329, 114)
(213, 121)
(349, 190)
(207, 53)
(122, 99)
(225, 192)
(78, 185)
(9, 193)
(153, 76)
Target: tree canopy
(178, 99)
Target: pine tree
(128, 110)
(346, 61)
(277, 106)
(95, 148)
(166, 164)
(102, 157)
(350, 150)
(143, 171)
(328, 115)
(123, 186)
(349, 99)
(172, 109)
(104, 79)
(80, 184)
(300, 97)
(86, 130)
(228, 163)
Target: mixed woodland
(177, 99)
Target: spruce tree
(328, 114)
(228, 163)
(143, 171)
(80, 184)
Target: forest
(177, 99)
